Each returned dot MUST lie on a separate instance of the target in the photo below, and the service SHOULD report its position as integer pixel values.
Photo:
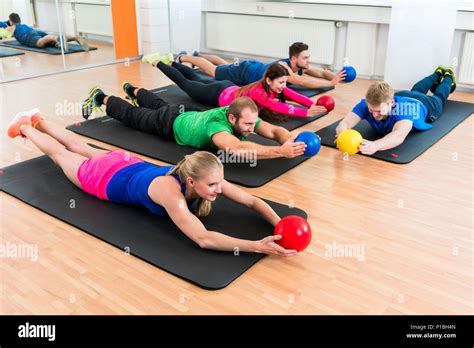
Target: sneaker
(177, 58)
(91, 104)
(65, 44)
(83, 42)
(440, 70)
(154, 58)
(127, 88)
(167, 58)
(449, 71)
(150, 58)
(22, 118)
(195, 54)
(36, 117)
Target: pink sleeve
(299, 98)
(259, 95)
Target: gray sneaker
(83, 42)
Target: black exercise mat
(308, 92)
(175, 95)
(41, 184)
(416, 142)
(113, 132)
(73, 48)
(6, 52)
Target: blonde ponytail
(195, 166)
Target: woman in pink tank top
(270, 93)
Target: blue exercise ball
(312, 141)
(351, 73)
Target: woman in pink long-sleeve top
(270, 93)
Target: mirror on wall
(30, 44)
(90, 22)
(40, 37)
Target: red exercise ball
(295, 232)
(327, 102)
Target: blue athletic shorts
(33, 37)
(241, 74)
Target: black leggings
(154, 115)
(204, 91)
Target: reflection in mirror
(91, 22)
(30, 44)
(49, 36)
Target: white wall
(153, 26)
(6, 7)
(169, 25)
(363, 33)
(46, 16)
(91, 16)
(361, 46)
(22, 7)
(185, 25)
(87, 16)
(359, 34)
(420, 38)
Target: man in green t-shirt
(226, 128)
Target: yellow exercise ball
(349, 141)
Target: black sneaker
(449, 71)
(91, 104)
(440, 70)
(128, 89)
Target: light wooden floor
(34, 63)
(414, 221)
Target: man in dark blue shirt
(248, 71)
(395, 115)
(31, 37)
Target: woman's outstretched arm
(170, 197)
